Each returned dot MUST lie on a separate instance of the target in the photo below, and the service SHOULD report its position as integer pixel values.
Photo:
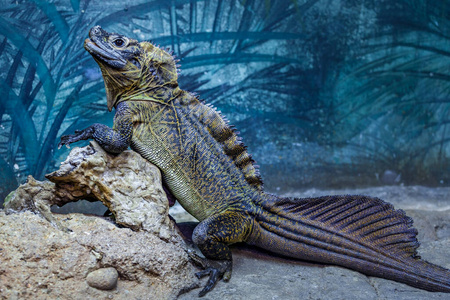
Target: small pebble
(103, 279)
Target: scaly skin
(206, 167)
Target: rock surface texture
(75, 256)
(127, 184)
(41, 262)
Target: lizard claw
(64, 141)
(216, 269)
(77, 136)
(214, 276)
(67, 140)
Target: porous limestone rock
(63, 256)
(39, 261)
(127, 184)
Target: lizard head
(129, 67)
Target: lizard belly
(179, 183)
(194, 165)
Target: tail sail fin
(361, 233)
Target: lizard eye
(119, 42)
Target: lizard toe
(214, 276)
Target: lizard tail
(357, 232)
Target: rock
(390, 177)
(75, 256)
(127, 184)
(39, 261)
(103, 279)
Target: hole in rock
(82, 206)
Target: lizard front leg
(113, 140)
(212, 236)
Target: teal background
(325, 93)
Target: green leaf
(55, 17)
(215, 59)
(244, 35)
(33, 57)
(22, 119)
(75, 5)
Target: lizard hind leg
(212, 236)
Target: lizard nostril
(96, 29)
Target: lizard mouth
(105, 55)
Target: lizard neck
(161, 94)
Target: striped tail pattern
(357, 232)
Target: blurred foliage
(324, 92)
(394, 107)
